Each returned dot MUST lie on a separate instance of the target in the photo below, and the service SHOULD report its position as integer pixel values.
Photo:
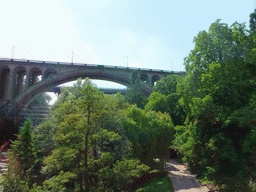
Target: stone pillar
(33, 80)
(4, 76)
(150, 81)
(43, 76)
(11, 85)
(20, 83)
(28, 80)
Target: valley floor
(182, 180)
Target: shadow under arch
(4, 79)
(43, 86)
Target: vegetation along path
(182, 180)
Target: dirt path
(182, 180)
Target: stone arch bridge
(19, 86)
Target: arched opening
(47, 84)
(20, 72)
(107, 87)
(4, 78)
(155, 78)
(35, 76)
(48, 72)
(144, 78)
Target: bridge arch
(144, 77)
(48, 72)
(30, 94)
(154, 79)
(32, 75)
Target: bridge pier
(20, 77)
(27, 81)
(4, 79)
(11, 85)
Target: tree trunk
(86, 149)
(80, 176)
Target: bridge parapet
(23, 61)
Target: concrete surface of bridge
(19, 86)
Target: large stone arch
(29, 95)
(32, 76)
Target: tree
(41, 101)
(74, 140)
(71, 164)
(134, 94)
(107, 142)
(65, 91)
(44, 136)
(151, 134)
(22, 157)
(115, 108)
(253, 21)
(45, 132)
(219, 95)
(221, 138)
(221, 44)
(165, 99)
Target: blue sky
(151, 33)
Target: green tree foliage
(44, 136)
(221, 44)
(151, 134)
(134, 94)
(165, 99)
(114, 107)
(218, 95)
(253, 21)
(22, 157)
(65, 91)
(45, 132)
(40, 102)
(72, 165)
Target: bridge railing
(88, 65)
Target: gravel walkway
(182, 180)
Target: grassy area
(161, 184)
(155, 180)
(1, 187)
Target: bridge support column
(33, 81)
(27, 82)
(11, 85)
(4, 76)
(19, 83)
(151, 81)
